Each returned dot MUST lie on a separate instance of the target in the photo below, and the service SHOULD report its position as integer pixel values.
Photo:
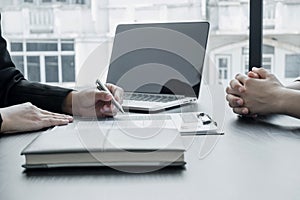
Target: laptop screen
(159, 58)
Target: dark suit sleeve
(15, 89)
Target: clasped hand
(258, 93)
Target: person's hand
(259, 96)
(233, 97)
(27, 117)
(92, 102)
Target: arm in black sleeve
(43, 96)
(15, 89)
(0, 122)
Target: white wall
(288, 17)
(13, 22)
(232, 18)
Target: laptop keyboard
(151, 97)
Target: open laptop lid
(159, 58)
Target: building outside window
(39, 2)
(245, 59)
(292, 66)
(90, 22)
(223, 63)
(267, 58)
(267, 62)
(269, 14)
(46, 1)
(46, 61)
(28, 1)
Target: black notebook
(88, 147)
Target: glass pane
(245, 51)
(246, 63)
(267, 67)
(68, 68)
(282, 38)
(67, 47)
(19, 62)
(51, 67)
(31, 46)
(16, 46)
(292, 66)
(266, 59)
(79, 1)
(229, 29)
(269, 14)
(267, 49)
(33, 68)
(223, 63)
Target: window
(223, 63)
(245, 59)
(33, 67)
(292, 66)
(267, 62)
(67, 45)
(69, 2)
(68, 68)
(51, 67)
(16, 46)
(269, 14)
(267, 59)
(19, 62)
(79, 1)
(36, 46)
(46, 1)
(51, 61)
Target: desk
(253, 160)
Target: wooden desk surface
(253, 160)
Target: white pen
(102, 87)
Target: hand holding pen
(102, 87)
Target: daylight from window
(49, 40)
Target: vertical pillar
(255, 36)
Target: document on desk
(191, 123)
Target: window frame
(228, 58)
(42, 54)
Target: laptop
(159, 65)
